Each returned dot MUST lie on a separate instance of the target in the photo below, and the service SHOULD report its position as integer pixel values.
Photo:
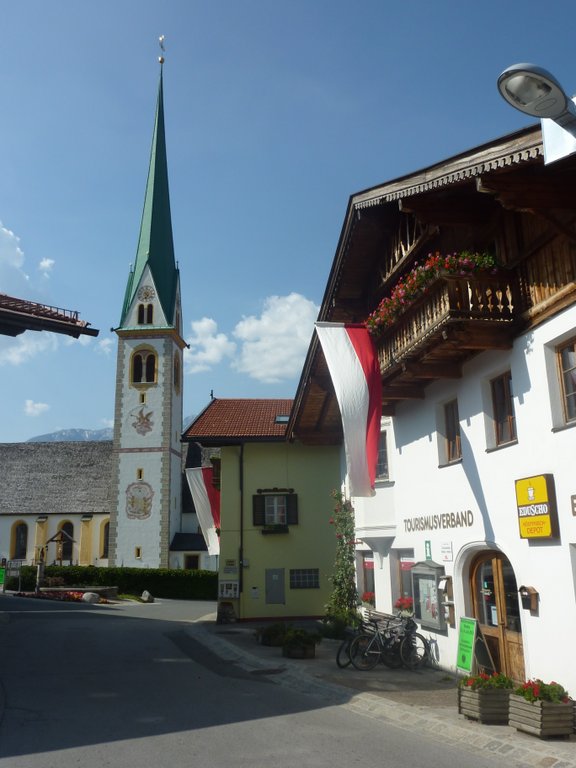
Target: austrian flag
(206, 500)
(353, 364)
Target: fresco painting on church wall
(139, 500)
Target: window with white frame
(304, 578)
(453, 446)
(567, 368)
(275, 507)
(503, 409)
(382, 471)
(275, 510)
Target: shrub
(176, 584)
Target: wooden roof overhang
(19, 315)
(464, 203)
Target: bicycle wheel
(414, 650)
(364, 652)
(343, 655)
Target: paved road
(131, 686)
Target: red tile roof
(226, 421)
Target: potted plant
(543, 709)
(300, 644)
(404, 606)
(369, 599)
(485, 697)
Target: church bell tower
(148, 408)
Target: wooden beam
(433, 370)
(481, 339)
(402, 392)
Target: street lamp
(535, 91)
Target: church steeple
(155, 244)
(147, 476)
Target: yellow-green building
(276, 543)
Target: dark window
(452, 427)
(567, 361)
(105, 540)
(382, 462)
(145, 314)
(191, 562)
(20, 542)
(144, 368)
(67, 541)
(275, 509)
(150, 368)
(504, 419)
(304, 578)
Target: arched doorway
(497, 609)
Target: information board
(466, 640)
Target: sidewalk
(425, 699)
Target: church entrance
(497, 609)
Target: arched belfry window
(145, 314)
(143, 367)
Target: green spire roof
(155, 245)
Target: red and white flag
(206, 500)
(353, 364)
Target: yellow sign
(536, 502)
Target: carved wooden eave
(521, 147)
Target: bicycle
(343, 659)
(395, 644)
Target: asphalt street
(161, 684)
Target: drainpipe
(241, 550)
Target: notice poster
(466, 641)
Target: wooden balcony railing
(483, 300)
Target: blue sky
(276, 112)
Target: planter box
(488, 706)
(541, 718)
(299, 651)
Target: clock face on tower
(146, 292)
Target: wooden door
(497, 609)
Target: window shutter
(258, 515)
(292, 509)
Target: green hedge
(161, 582)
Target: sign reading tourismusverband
(537, 510)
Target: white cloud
(13, 279)
(26, 347)
(35, 409)
(108, 423)
(274, 345)
(45, 266)
(105, 346)
(83, 341)
(207, 346)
